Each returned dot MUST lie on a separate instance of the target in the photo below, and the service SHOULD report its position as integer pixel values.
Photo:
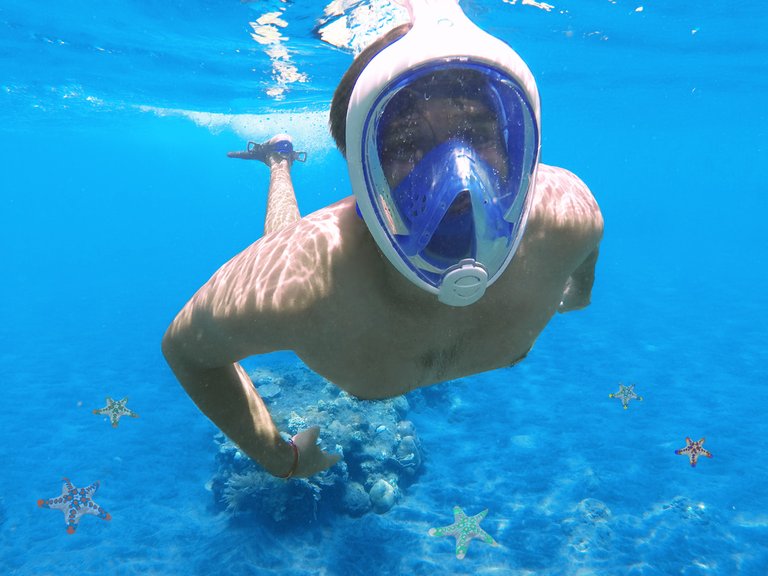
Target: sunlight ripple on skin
(561, 191)
(290, 283)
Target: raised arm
(248, 307)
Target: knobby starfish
(75, 502)
(693, 450)
(116, 409)
(464, 529)
(625, 394)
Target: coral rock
(355, 500)
(383, 496)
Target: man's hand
(311, 458)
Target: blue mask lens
(440, 200)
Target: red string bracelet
(295, 460)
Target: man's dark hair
(340, 103)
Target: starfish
(625, 394)
(694, 450)
(75, 502)
(116, 410)
(464, 529)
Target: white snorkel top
(444, 196)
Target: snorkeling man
(454, 252)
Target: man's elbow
(180, 358)
(176, 344)
(171, 346)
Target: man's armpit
(578, 288)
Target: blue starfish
(116, 409)
(625, 394)
(464, 529)
(75, 502)
(693, 450)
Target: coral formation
(381, 452)
(383, 495)
(355, 499)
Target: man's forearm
(227, 396)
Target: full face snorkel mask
(442, 150)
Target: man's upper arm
(251, 305)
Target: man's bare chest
(376, 357)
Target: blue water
(117, 202)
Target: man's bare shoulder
(568, 225)
(286, 271)
(257, 301)
(563, 201)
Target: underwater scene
(627, 442)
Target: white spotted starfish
(464, 529)
(625, 394)
(75, 502)
(116, 409)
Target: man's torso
(323, 289)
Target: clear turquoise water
(112, 215)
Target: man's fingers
(331, 459)
(316, 459)
(313, 433)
